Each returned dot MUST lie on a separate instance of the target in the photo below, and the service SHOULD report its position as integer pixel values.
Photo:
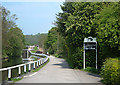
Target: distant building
(30, 47)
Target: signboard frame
(89, 44)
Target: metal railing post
(29, 67)
(34, 66)
(37, 64)
(24, 68)
(41, 62)
(19, 70)
(9, 74)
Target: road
(58, 71)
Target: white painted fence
(38, 63)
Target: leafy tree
(12, 38)
(83, 19)
(51, 41)
(16, 42)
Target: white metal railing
(38, 63)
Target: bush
(51, 51)
(111, 71)
(92, 70)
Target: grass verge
(37, 69)
(16, 79)
(92, 70)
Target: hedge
(111, 71)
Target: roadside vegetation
(12, 41)
(12, 37)
(35, 49)
(35, 70)
(83, 19)
(37, 39)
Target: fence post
(29, 67)
(19, 70)
(34, 66)
(24, 68)
(9, 74)
(41, 62)
(37, 64)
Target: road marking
(25, 76)
(32, 74)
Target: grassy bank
(35, 70)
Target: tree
(84, 19)
(16, 42)
(12, 39)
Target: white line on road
(31, 75)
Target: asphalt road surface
(58, 71)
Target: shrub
(92, 70)
(111, 71)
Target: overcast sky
(34, 17)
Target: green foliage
(34, 58)
(12, 36)
(83, 19)
(80, 20)
(55, 42)
(12, 42)
(31, 39)
(16, 42)
(16, 79)
(35, 48)
(37, 39)
(111, 71)
(92, 70)
(37, 69)
(51, 42)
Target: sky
(34, 17)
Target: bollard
(9, 74)
(24, 68)
(29, 67)
(19, 70)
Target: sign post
(89, 44)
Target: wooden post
(9, 74)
